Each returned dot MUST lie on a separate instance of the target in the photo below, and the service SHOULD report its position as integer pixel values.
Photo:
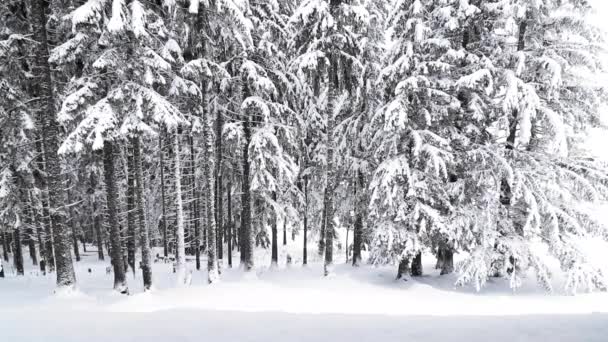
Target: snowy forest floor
(293, 304)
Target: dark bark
(506, 193)
(39, 235)
(212, 262)
(98, 234)
(246, 238)
(440, 253)
(17, 252)
(75, 244)
(144, 237)
(162, 191)
(358, 227)
(5, 247)
(285, 231)
(416, 268)
(196, 216)
(403, 268)
(321, 244)
(219, 201)
(120, 279)
(305, 235)
(131, 214)
(230, 223)
(50, 137)
(328, 198)
(275, 249)
(47, 240)
(447, 266)
(73, 228)
(180, 250)
(30, 232)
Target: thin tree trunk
(230, 224)
(328, 199)
(30, 231)
(285, 230)
(98, 235)
(358, 228)
(505, 194)
(346, 244)
(195, 212)
(120, 279)
(131, 213)
(39, 235)
(18, 252)
(144, 234)
(246, 229)
(50, 137)
(73, 228)
(305, 235)
(321, 246)
(5, 246)
(212, 262)
(162, 191)
(180, 259)
(218, 193)
(275, 248)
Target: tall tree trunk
(230, 224)
(39, 235)
(5, 246)
(505, 194)
(218, 192)
(131, 212)
(328, 198)
(285, 230)
(305, 235)
(246, 229)
(195, 205)
(98, 234)
(212, 262)
(275, 249)
(50, 138)
(45, 221)
(180, 259)
(346, 244)
(75, 243)
(162, 191)
(73, 227)
(144, 234)
(358, 228)
(120, 279)
(30, 231)
(18, 252)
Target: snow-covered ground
(293, 304)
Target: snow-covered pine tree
(16, 131)
(118, 98)
(326, 45)
(50, 134)
(409, 196)
(536, 184)
(224, 21)
(264, 74)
